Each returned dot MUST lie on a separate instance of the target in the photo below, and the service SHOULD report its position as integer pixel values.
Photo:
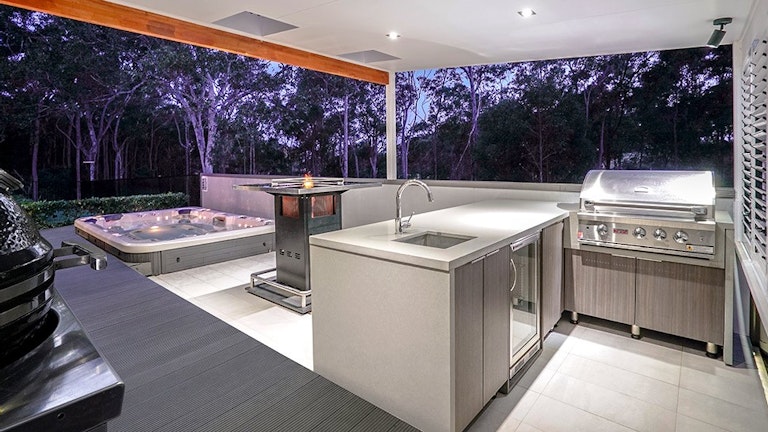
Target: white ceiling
(442, 33)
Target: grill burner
(303, 206)
(670, 212)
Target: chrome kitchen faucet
(400, 225)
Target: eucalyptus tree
(307, 122)
(370, 126)
(546, 98)
(209, 87)
(408, 100)
(29, 42)
(684, 111)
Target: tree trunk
(78, 157)
(601, 151)
(474, 105)
(35, 153)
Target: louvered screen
(754, 86)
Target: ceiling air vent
(254, 24)
(370, 56)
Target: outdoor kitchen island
(404, 325)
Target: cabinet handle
(623, 256)
(477, 260)
(514, 281)
(493, 253)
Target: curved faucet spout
(399, 224)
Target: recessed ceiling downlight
(393, 35)
(526, 12)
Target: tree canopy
(81, 102)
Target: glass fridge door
(524, 301)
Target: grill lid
(691, 191)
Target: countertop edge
(444, 265)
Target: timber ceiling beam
(138, 21)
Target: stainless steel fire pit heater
(303, 206)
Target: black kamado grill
(51, 376)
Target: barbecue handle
(694, 209)
(92, 256)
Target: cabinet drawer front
(681, 299)
(600, 285)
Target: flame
(308, 183)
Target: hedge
(51, 214)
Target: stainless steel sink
(435, 239)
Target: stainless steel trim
(91, 255)
(525, 241)
(514, 267)
(712, 350)
(291, 291)
(624, 256)
(698, 212)
(705, 225)
(647, 249)
(26, 285)
(19, 311)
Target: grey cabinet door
(681, 299)
(551, 276)
(600, 285)
(468, 351)
(495, 322)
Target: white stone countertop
(493, 223)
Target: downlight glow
(393, 35)
(526, 12)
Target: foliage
(91, 103)
(552, 121)
(50, 214)
(86, 102)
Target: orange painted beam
(138, 21)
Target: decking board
(186, 370)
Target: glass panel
(524, 300)
(322, 205)
(290, 207)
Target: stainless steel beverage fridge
(524, 302)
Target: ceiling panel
(442, 33)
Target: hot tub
(164, 241)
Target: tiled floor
(589, 377)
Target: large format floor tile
(622, 381)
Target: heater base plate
(280, 294)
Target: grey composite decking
(185, 370)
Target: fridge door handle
(514, 280)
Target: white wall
(375, 204)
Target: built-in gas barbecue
(303, 206)
(669, 212)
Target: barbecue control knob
(681, 237)
(639, 232)
(660, 234)
(602, 229)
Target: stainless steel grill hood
(670, 212)
(661, 193)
